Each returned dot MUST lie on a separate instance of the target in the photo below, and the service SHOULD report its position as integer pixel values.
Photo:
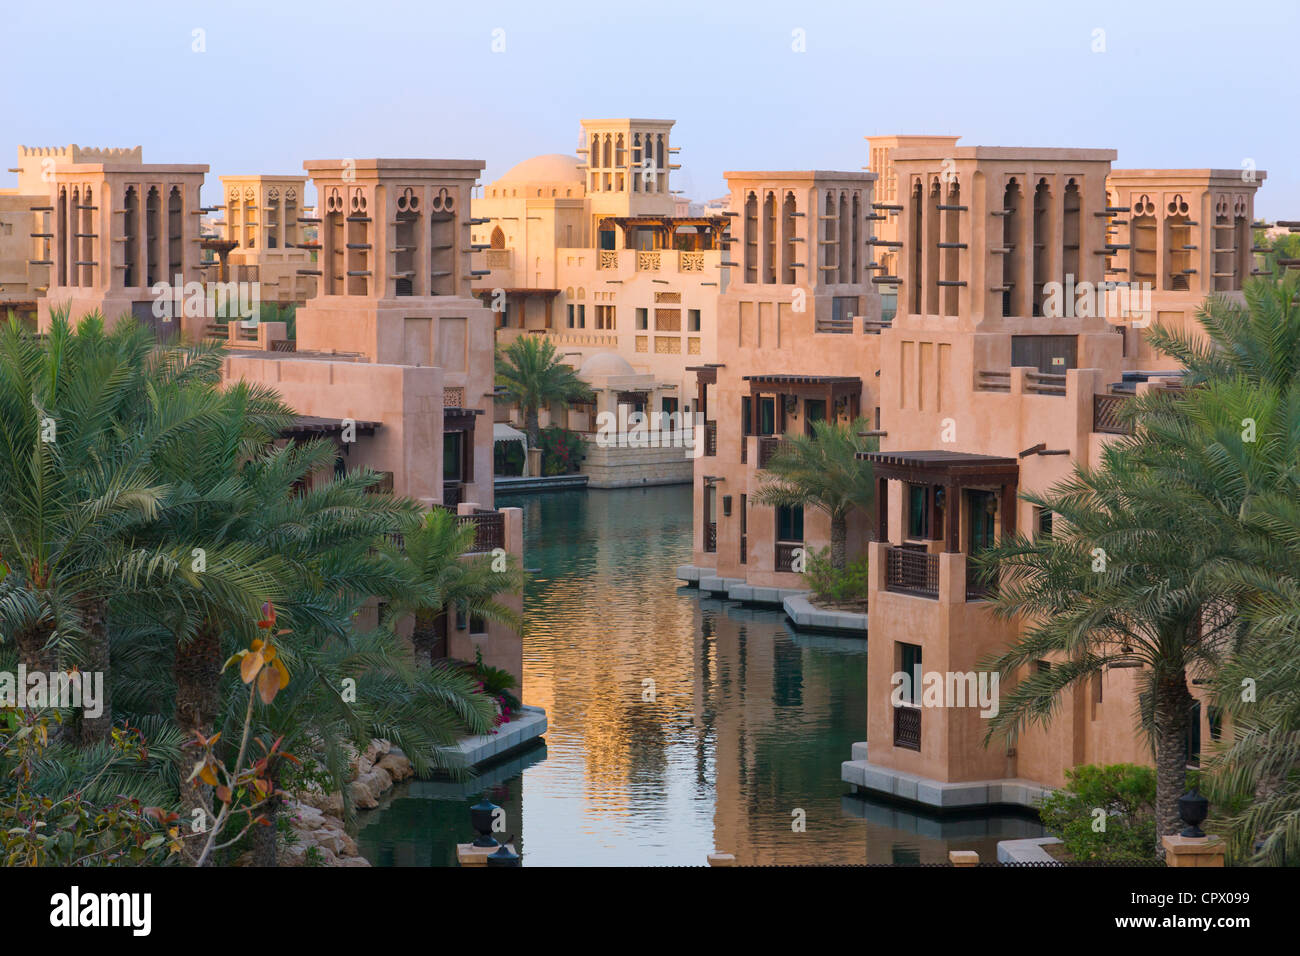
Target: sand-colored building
(262, 216)
(26, 221)
(593, 252)
(1005, 365)
(798, 340)
(124, 237)
(393, 356)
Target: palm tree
(83, 414)
(439, 574)
(822, 471)
(530, 374)
(1120, 582)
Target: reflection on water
(678, 725)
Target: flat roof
(1008, 153)
(940, 467)
(315, 425)
(803, 379)
(798, 174)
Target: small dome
(604, 365)
(549, 168)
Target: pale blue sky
(1190, 84)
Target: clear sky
(1185, 85)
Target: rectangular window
(669, 407)
(605, 317)
(477, 625)
(918, 513)
(1044, 522)
(571, 313)
(789, 523)
(766, 415)
(843, 307)
(1194, 735)
(582, 316)
(692, 320)
(452, 456)
(746, 413)
(814, 411)
(909, 663)
(642, 319)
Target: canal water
(678, 725)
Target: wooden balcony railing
(767, 447)
(710, 438)
(993, 381)
(1045, 383)
(711, 537)
(785, 554)
(912, 572)
(489, 529)
(451, 493)
(1107, 417)
(907, 727)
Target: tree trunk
(1173, 702)
(266, 839)
(197, 672)
(532, 427)
(32, 651)
(839, 542)
(424, 637)
(96, 660)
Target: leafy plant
(1104, 813)
(831, 585)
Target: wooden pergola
(546, 294)
(831, 388)
(952, 471)
(709, 229)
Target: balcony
(690, 262)
(711, 537)
(1107, 415)
(711, 438)
(907, 727)
(768, 446)
(608, 259)
(499, 258)
(648, 261)
(785, 551)
(910, 571)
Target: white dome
(548, 168)
(604, 365)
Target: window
(570, 316)
(452, 445)
(843, 307)
(1042, 667)
(642, 319)
(909, 664)
(477, 624)
(692, 320)
(746, 413)
(1044, 522)
(814, 410)
(605, 317)
(789, 523)
(918, 512)
(766, 415)
(669, 408)
(582, 316)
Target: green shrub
(1125, 827)
(833, 586)
(561, 450)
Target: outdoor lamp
(480, 817)
(1193, 809)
